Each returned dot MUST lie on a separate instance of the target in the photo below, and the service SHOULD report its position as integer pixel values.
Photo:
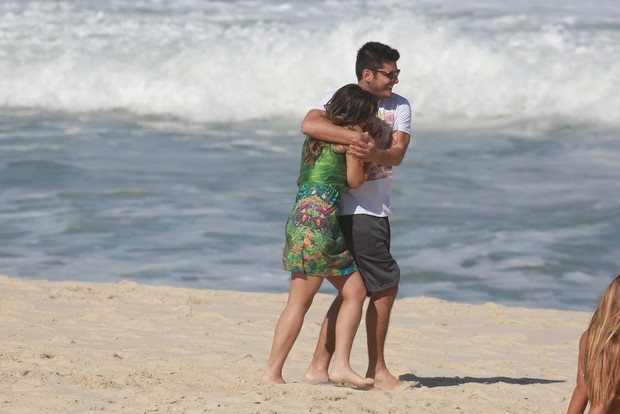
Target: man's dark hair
(372, 56)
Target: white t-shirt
(373, 197)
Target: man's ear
(367, 75)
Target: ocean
(159, 141)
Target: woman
(315, 247)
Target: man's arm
(317, 126)
(393, 155)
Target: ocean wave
(208, 61)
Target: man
(365, 210)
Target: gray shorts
(368, 238)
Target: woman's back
(329, 168)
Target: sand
(76, 347)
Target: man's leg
(377, 322)
(318, 369)
(370, 240)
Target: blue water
(159, 141)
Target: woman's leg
(302, 291)
(353, 294)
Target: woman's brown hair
(350, 105)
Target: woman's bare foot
(350, 377)
(314, 374)
(266, 379)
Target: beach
(75, 347)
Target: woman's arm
(357, 172)
(579, 400)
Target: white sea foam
(206, 60)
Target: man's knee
(383, 300)
(388, 294)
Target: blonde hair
(350, 105)
(602, 353)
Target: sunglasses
(390, 75)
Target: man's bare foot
(385, 381)
(316, 375)
(266, 379)
(349, 377)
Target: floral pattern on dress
(315, 245)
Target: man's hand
(363, 148)
(367, 150)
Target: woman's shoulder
(583, 340)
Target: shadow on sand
(432, 382)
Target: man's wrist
(354, 136)
(376, 155)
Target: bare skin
(377, 321)
(302, 291)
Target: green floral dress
(315, 245)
